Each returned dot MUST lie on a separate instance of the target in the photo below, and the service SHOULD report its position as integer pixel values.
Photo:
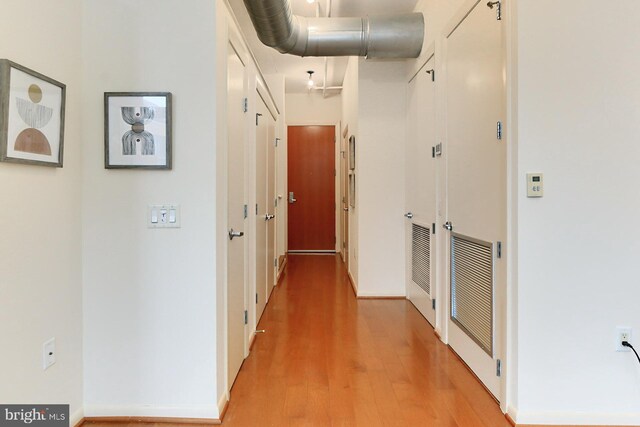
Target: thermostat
(535, 185)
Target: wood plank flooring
(328, 359)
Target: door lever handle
(345, 209)
(233, 234)
(292, 198)
(447, 226)
(408, 215)
(268, 217)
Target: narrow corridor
(328, 359)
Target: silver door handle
(447, 226)
(292, 198)
(268, 217)
(345, 209)
(233, 234)
(408, 215)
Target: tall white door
(476, 194)
(421, 192)
(262, 129)
(236, 199)
(270, 207)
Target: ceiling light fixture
(310, 83)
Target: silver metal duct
(396, 36)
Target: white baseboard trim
(512, 413)
(222, 403)
(76, 417)
(575, 418)
(379, 295)
(178, 411)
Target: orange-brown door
(312, 220)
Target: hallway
(328, 359)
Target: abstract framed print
(31, 116)
(137, 130)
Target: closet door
(421, 192)
(476, 193)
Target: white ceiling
(295, 68)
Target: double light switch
(163, 216)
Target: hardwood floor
(328, 359)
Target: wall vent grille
(472, 289)
(421, 257)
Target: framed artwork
(137, 130)
(352, 152)
(352, 190)
(31, 116)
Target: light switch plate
(163, 216)
(535, 185)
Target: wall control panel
(535, 185)
(163, 216)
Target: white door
(421, 192)
(236, 199)
(476, 194)
(270, 207)
(262, 133)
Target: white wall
(380, 150)
(150, 294)
(313, 109)
(350, 122)
(578, 123)
(40, 253)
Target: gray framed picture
(31, 116)
(137, 130)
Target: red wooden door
(311, 163)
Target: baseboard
(393, 297)
(353, 284)
(529, 419)
(77, 418)
(282, 262)
(223, 405)
(153, 420)
(196, 414)
(436, 331)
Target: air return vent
(421, 257)
(472, 289)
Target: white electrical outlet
(622, 334)
(48, 353)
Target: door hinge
(498, 368)
(245, 105)
(277, 139)
(246, 211)
(275, 203)
(275, 263)
(433, 304)
(432, 72)
(438, 150)
(498, 5)
(246, 317)
(256, 209)
(499, 130)
(256, 297)
(433, 228)
(258, 115)
(499, 249)
(433, 152)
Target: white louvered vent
(421, 257)
(472, 289)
